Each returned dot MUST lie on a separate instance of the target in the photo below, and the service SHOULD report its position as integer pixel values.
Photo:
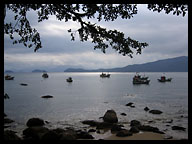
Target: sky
(166, 34)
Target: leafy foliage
(101, 37)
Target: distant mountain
(178, 64)
(38, 70)
(8, 71)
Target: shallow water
(89, 97)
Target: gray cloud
(167, 36)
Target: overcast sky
(166, 34)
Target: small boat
(69, 79)
(164, 79)
(45, 75)
(8, 77)
(137, 79)
(103, 75)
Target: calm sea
(89, 97)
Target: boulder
(35, 122)
(134, 129)
(50, 135)
(150, 129)
(35, 133)
(116, 128)
(135, 123)
(104, 125)
(68, 135)
(84, 135)
(155, 111)
(124, 133)
(178, 128)
(10, 135)
(110, 116)
(47, 96)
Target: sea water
(89, 96)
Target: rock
(10, 135)
(6, 96)
(178, 128)
(7, 120)
(47, 96)
(124, 133)
(123, 114)
(150, 129)
(69, 135)
(5, 115)
(155, 111)
(110, 116)
(134, 129)
(35, 122)
(135, 123)
(84, 135)
(129, 104)
(23, 84)
(90, 122)
(35, 132)
(50, 135)
(91, 130)
(104, 125)
(116, 128)
(146, 109)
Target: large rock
(155, 111)
(35, 122)
(90, 122)
(35, 133)
(50, 135)
(110, 116)
(135, 123)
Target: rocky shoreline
(37, 130)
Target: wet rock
(104, 125)
(110, 116)
(84, 135)
(47, 96)
(69, 134)
(10, 135)
(90, 122)
(178, 128)
(35, 133)
(129, 104)
(50, 135)
(146, 109)
(155, 111)
(23, 84)
(116, 128)
(35, 122)
(150, 129)
(124, 133)
(91, 130)
(135, 123)
(7, 121)
(134, 129)
(123, 114)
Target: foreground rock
(47, 96)
(10, 135)
(110, 116)
(124, 133)
(35, 122)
